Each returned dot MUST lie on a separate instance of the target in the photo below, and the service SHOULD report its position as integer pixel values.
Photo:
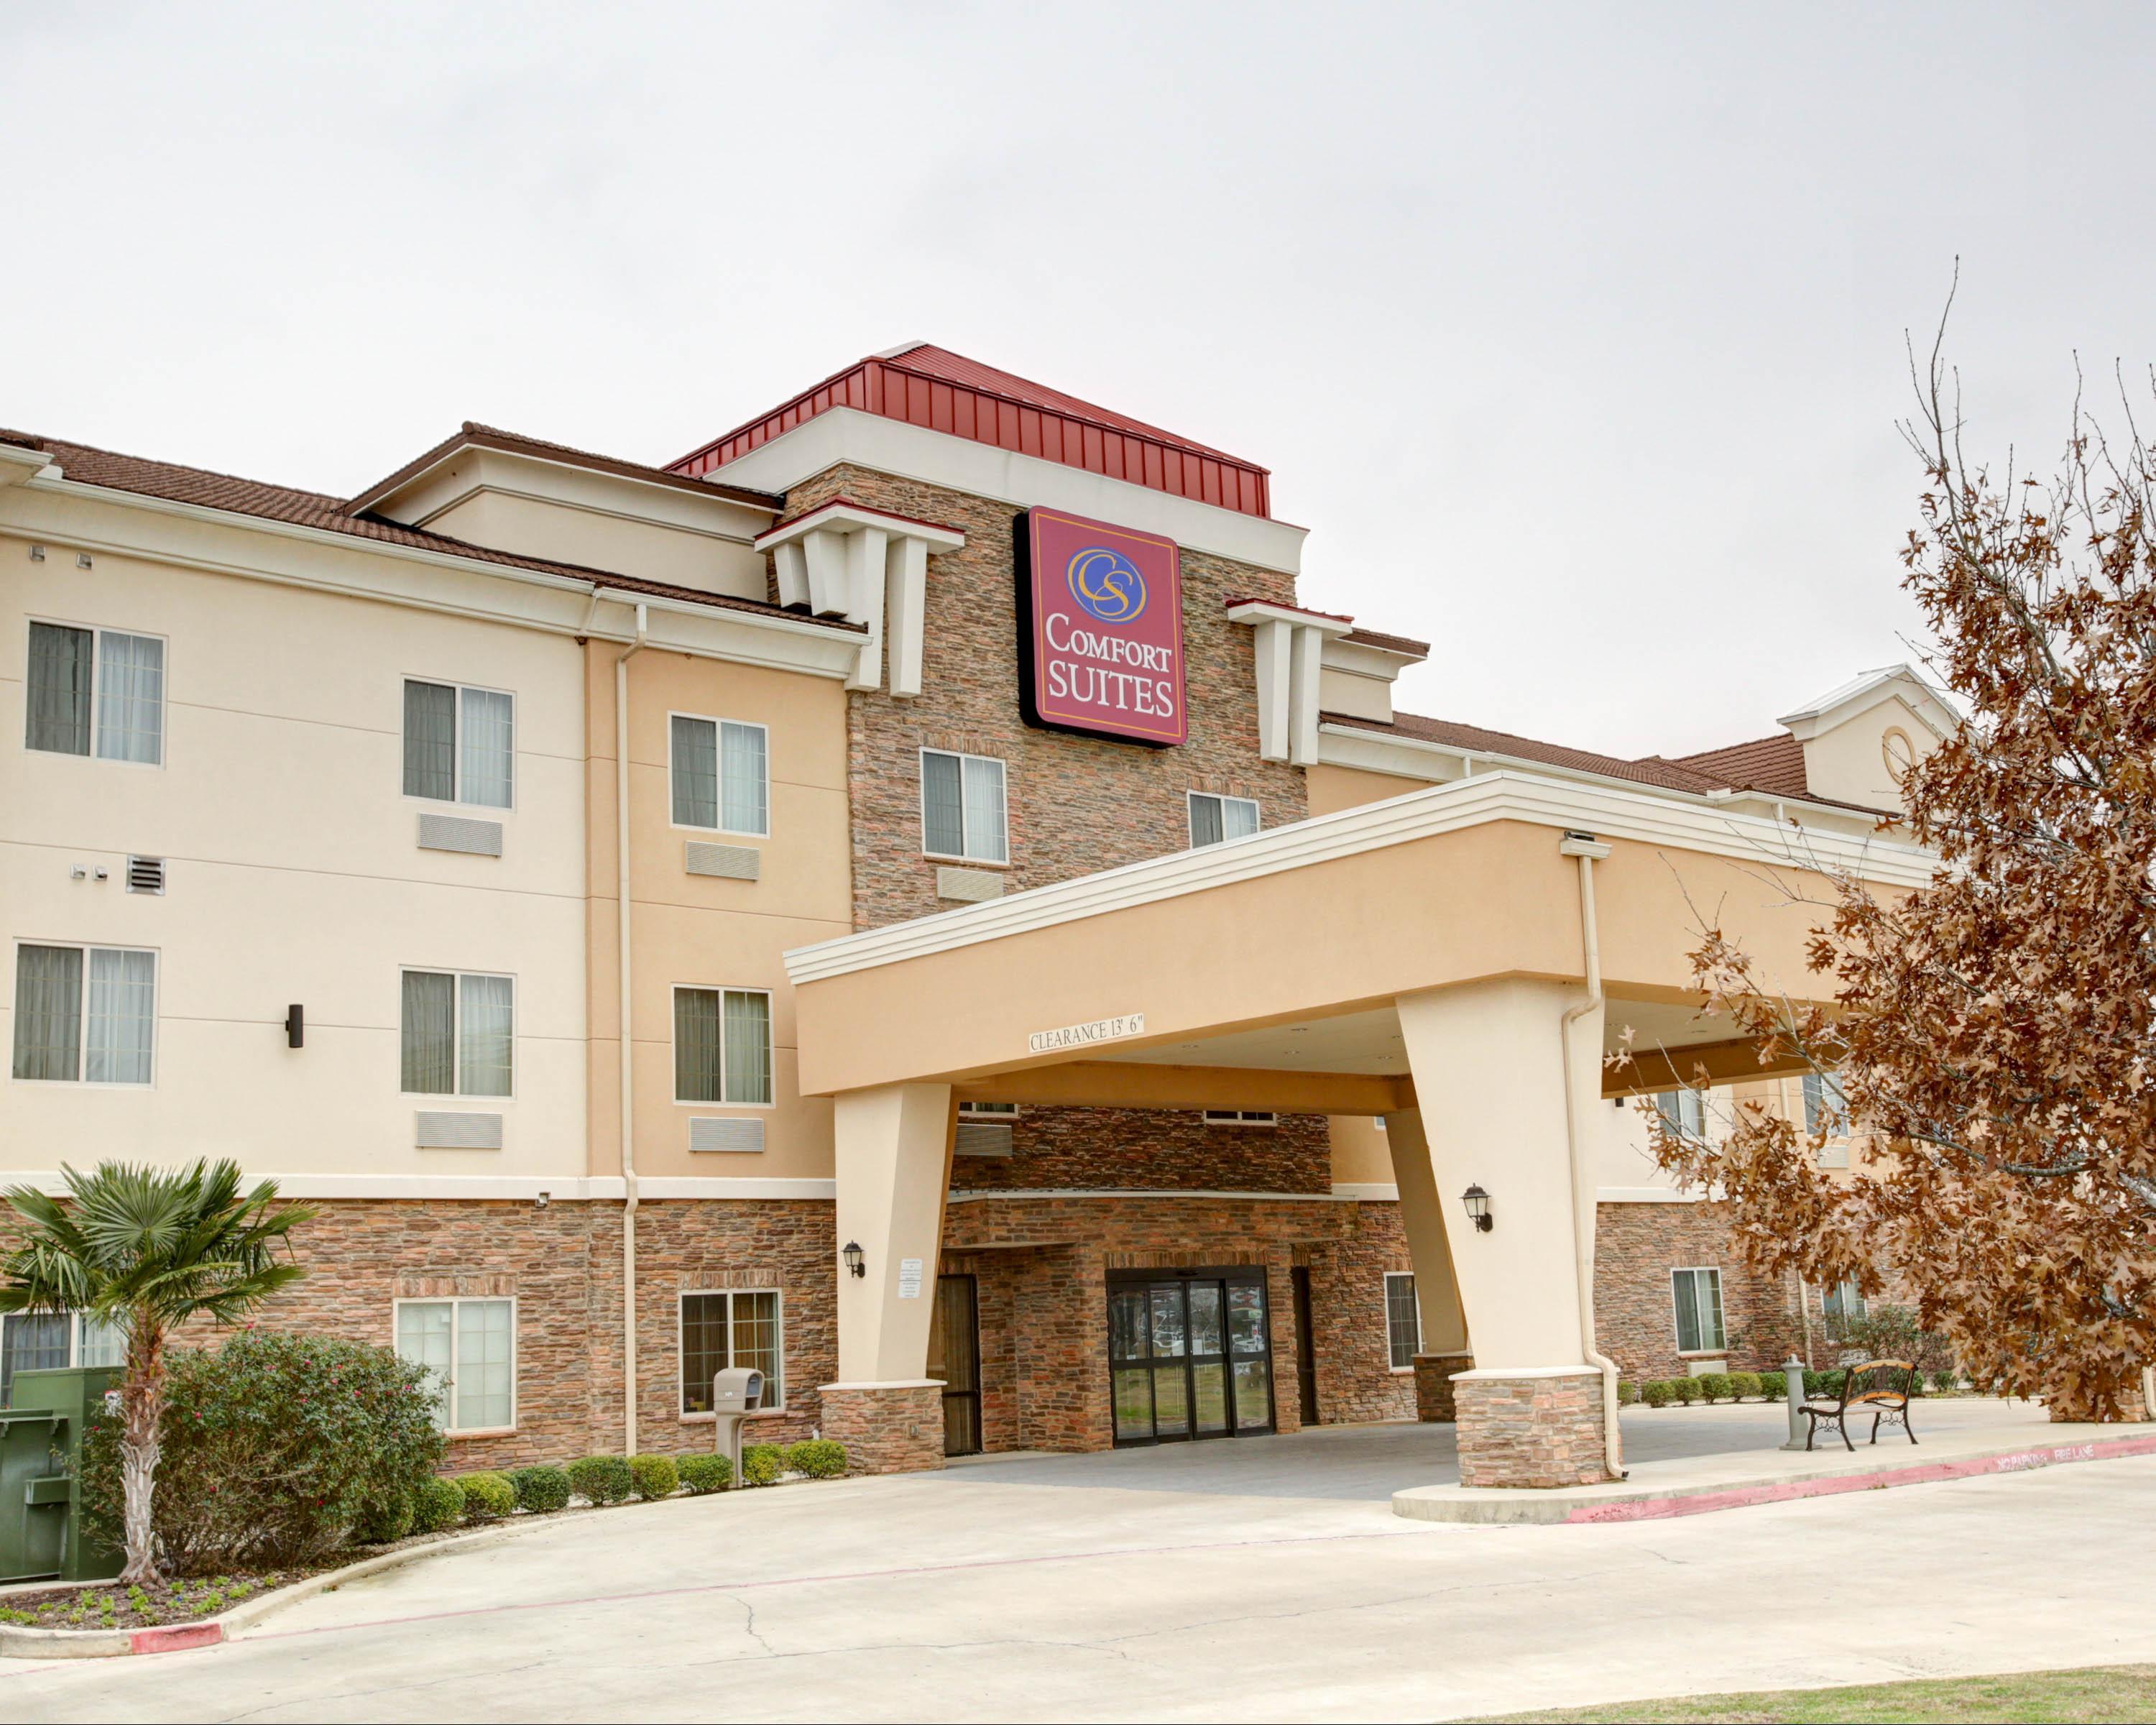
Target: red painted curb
(1655, 1509)
(174, 1637)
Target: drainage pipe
(1588, 849)
(625, 1024)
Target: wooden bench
(1883, 1388)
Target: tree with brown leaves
(1995, 1030)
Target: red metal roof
(931, 386)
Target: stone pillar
(1490, 1084)
(892, 1150)
(1435, 1401)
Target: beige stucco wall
(696, 931)
(1332, 788)
(1848, 762)
(293, 874)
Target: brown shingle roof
(88, 465)
(471, 434)
(1668, 775)
(1391, 644)
(1774, 764)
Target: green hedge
(488, 1496)
(541, 1490)
(1744, 1384)
(761, 1463)
(1716, 1387)
(702, 1474)
(601, 1480)
(1657, 1392)
(656, 1476)
(819, 1458)
(439, 1503)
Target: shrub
(1744, 1384)
(1628, 1392)
(1716, 1387)
(387, 1519)
(1655, 1393)
(1772, 1387)
(488, 1496)
(761, 1463)
(819, 1458)
(1687, 1389)
(1823, 1386)
(439, 1503)
(656, 1476)
(539, 1490)
(601, 1480)
(276, 1450)
(1946, 1382)
(706, 1473)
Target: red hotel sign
(1100, 630)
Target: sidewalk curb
(1598, 1505)
(17, 1642)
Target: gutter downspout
(623, 1025)
(1588, 849)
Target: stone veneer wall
(1529, 1431)
(1075, 805)
(1636, 1247)
(1061, 1149)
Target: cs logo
(1107, 585)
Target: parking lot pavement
(975, 1595)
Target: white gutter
(624, 1021)
(1589, 849)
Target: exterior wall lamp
(1478, 1208)
(852, 1254)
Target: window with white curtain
(721, 773)
(1683, 1111)
(1215, 820)
(459, 744)
(722, 1045)
(962, 807)
(54, 1341)
(1826, 1105)
(469, 1347)
(734, 1327)
(458, 1033)
(1697, 1295)
(96, 691)
(85, 1014)
(1403, 1320)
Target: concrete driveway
(1103, 1588)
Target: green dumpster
(41, 1434)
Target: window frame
(1832, 1109)
(1246, 1119)
(1687, 1096)
(1004, 1112)
(1391, 1276)
(718, 773)
(76, 1319)
(1190, 816)
(456, 798)
(681, 1299)
(1832, 1297)
(82, 1012)
(1003, 768)
(397, 1304)
(1705, 1349)
(97, 631)
(456, 975)
(770, 1043)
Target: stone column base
(1434, 1401)
(887, 1428)
(1539, 1428)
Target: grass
(2126, 1693)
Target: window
(1683, 1111)
(458, 1033)
(720, 775)
(988, 1111)
(721, 1046)
(96, 691)
(85, 1015)
(471, 1345)
(1214, 820)
(49, 1340)
(1698, 1295)
(1845, 1303)
(1402, 1321)
(459, 744)
(962, 807)
(1826, 1106)
(1240, 1116)
(731, 1329)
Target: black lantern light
(852, 1255)
(1478, 1208)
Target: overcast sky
(1575, 333)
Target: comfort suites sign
(1100, 630)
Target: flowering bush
(275, 1450)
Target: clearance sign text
(1100, 630)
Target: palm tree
(145, 1250)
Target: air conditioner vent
(980, 1138)
(705, 1133)
(723, 862)
(970, 886)
(445, 1131)
(145, 874)
(456, 832)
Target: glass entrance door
(1189, 1356)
